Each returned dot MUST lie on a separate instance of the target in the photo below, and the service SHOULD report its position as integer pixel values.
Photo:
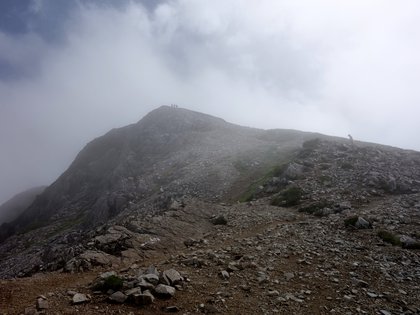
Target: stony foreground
(264, 260)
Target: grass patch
(289, 197)
(241, 166)
(252, 190)
(389, 237)
(31, 226)
(68, 224)
(315, 207)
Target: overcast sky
(71, 70)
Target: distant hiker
(351, 140)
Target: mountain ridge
(101, 176)
(136, 173)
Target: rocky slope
(322, 227)
(258, 258)
(139, 170)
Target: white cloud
(326, 66)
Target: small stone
(71, 293)
(360, 283)
(172, 309)
(165, 290)
(225, 275)
(117, 297)
(79, 298)
(151, 278)
(384, 312)
(262, 278)
(144, 285)
(152, 270)
(361, 223)
(293, 298)
(289, 275)
(132, 291)
(172, 276)
(273, 293)
(107, 274)
(372, 295)
(143, 299)
(41, 304)
(219, 220)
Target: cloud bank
(324, 66)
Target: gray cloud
(310, 65)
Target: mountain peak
(176, 119)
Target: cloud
(323, 66)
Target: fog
(72, 70)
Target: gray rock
(409, 242)
(224, 275)
(98, 258)
(41, 304)
(117, 297)
(71, 293)
(191, 242)
(361, 223)
(384, 312)
(172, 309)
(132, 291)
(289, 275)
(144, 285)
(293, 171)
(273, 293)
(80, 298)
(152, 270)
(165, 290)
(175, 205)
(172, 277)
(360, 283)
(151, 278)
(262, 277)
(107, 274)
(219, 220)
(145, 298)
